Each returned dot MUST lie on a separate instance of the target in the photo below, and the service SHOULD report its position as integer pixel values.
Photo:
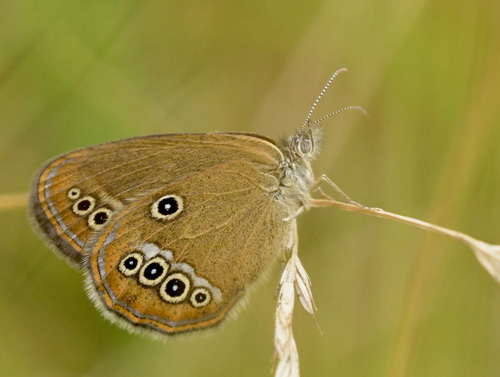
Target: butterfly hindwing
(226, 231)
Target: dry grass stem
(13, 201)
(284, 343)
(294, 279)
(487, 254)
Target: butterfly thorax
(296, 172)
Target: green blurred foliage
(393, 301)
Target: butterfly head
(305, 144)
(297, 176)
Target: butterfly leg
(324, 178)
(294, 215)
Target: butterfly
(172, 230)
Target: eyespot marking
(151, 250)
(153, 272)
(74, 193)
(99, 218)
(167, 207)
(46, 192)
(84, 206)
(131, 264)
(175, 288)
(200, 297)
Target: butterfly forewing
(112, 175)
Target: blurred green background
(393, 301)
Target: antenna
(341, 111)
(321, 95)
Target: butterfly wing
(176, 227)
(70, 188)
(226, 235)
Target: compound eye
(305, 146)
(131, 264)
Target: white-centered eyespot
(200, 297)
(84, 206)
(175, 288)
(153, 271)
(167, 207)
(131, 264)
(74, 193)
(99, 218)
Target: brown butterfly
(172, 230)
